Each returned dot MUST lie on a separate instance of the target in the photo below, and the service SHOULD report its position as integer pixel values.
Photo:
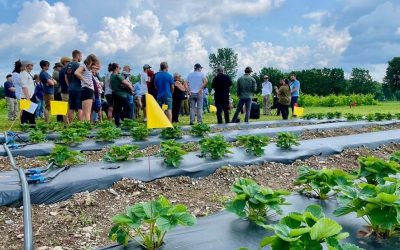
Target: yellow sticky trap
(298, 111)
(164, 107)
(156, 117)
(24, 104)
(213, 108)
(58, 108)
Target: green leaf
(324, 228)
(121, 219)
(186, 219)
(388, 198)
(267, 241)
(315, 210)
(299, 231)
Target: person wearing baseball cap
(196, 81)
(28, 90)
(246, 87)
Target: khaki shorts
(47, 98)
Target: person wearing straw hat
(28, 90)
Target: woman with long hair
(108, 93)
(284, 97)
(120, 90)
(178, 96)
(84, 73)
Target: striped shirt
(88, 77)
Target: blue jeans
(243, 102)
(196, 106)
(132, 110)
(205, 104)
(39, 109)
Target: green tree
(361, 82)
(274, 76)
(392, 78)
(226, 57)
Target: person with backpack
(48, 86)
(84, 73)
(63, 84)
(74, 87)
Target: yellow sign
(156, 117)
(298, 111)
(213, 108)
(58, 108)
(164, 107)
(24, 104)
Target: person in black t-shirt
(221, 85)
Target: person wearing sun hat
(246, 86)
(63, 84)
(28, 90)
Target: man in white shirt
(144, 80)
(28, 90)
(196, 82)
(266, 93)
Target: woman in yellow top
(284, 97)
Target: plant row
(352, 117)
(336, 100)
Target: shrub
(319, 183)
(171, 133)
(287, 140)
(150, 221)
(140, 133)
(62, 156)
(122, 153)
(200, 130)
(378, 205)
(73, 135)
(216, 147)
(253, 143)
(336, 100)
(108, 134)
(255, 202)
(172, 152)
(307, 230)
(37, 136)
(374, 170)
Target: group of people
(79, 84)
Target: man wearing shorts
(164, 83)
(144, 80)
(74, 87)
(48, 86)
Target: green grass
(210, 118)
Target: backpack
(69, 71)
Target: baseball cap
(57, 65)
(197, 66)
(248, 69)
(146, 66)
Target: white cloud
(329, 39)
(377, 71)
(316, 15)
(42, 29)
(295, 30)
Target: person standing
(74, 87)
(196, 82)
(144, 81)
(84, 73)
(28, 90)
(126, 74)
(295, 91)
(284, 97)
(11, 99)
(164, 84)
(39, 94)
(120, 90)
(206, 105)
(16, 79)
(179, 94)
(97, 115)
(222, 84)
(48, 86)
(63, 84)
(57, 88)
(108, 93)
(266, 93)
(246, 86)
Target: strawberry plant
(172, 152)
(379, 116)
(338, 115)
(253, 143)
(310, 116)
(171, 133)
(320, 116)
(389, 116)
(62, 156)
(128, 124)
(350, 117)
(149, 221)
(319, 183)
(395, 157)
(122, 153)
(370, 117)
(397, 116)
(374, 170)
(105, 124)
(81, 125)
(108, 134)
(287, 140)
(200, 130)
(255, 202)
(378, 205)
(25, 127)
(73, 135)
(307, 230)
(330, 115)
(216, 147)
(36, 136)
(140, 132)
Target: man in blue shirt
(164, 84)
(74, 87)
(48, 86)
(196, 82)
(12, 104)
(295, 91)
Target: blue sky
(286, 34)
